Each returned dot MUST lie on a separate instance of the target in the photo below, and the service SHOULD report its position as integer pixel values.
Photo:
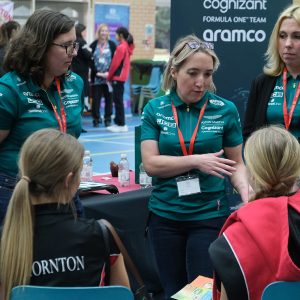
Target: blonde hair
(46, 158)
(272, 157)
(100, 27)
(274, 64)
(180, 54)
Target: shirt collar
(178, 102)
(51, 208)
(289, 76)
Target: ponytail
(16, 250)
(125, 34)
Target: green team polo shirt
(25, 108)
(220, 127)
(275, 104)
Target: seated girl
(260, 242)
(43, 243)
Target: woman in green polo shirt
(191, 138)
(274, 94)
(38, 91)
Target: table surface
(108, 179)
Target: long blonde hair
(274, 64)
(46, 158)
(181, 53)
(272, 157)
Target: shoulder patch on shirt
(212, 117)
(71, 78)
(217, 102)
(67, 91)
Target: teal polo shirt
(275, 104)
(24, 109)
(220, 127)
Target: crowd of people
(104, 68)
(190, 226)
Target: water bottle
(123, 172)
(145, 180)
(87, 168)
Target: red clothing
(258, 235)
(120, 65)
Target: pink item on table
(107, 178)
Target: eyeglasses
(69, 47)
(195, 45)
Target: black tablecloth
(128, 213)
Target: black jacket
(82, 62)
(93, 46)
(256, 112)
(67, 252)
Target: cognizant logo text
(224, 5)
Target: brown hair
(27, 52)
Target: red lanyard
(288, 116)
(192, 141)
(62, 120)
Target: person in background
(274, 95)
(81, 63)
(40, 215)
(39, 91)
(191, 138)
(260, 242)
(103, 50)
(118, 73)
(7, 31)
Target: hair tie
(26, 178)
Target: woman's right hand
(213, 164)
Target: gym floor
(106, 146)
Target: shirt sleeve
(8, 108)
(227, 270)
(254, 102)
(233, 130)
(149, 128)
(116, 61)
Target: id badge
(188, 185)
(101, 60)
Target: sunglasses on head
(196, 45)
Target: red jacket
(258, 235)
(120, 65)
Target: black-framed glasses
(195, 45)
(68, 47)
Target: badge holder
(188, 185)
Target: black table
(128, 212)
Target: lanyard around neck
(62, 120)
(101, 48)
(193, 138)
(288, 115)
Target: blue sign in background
(114, 15)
